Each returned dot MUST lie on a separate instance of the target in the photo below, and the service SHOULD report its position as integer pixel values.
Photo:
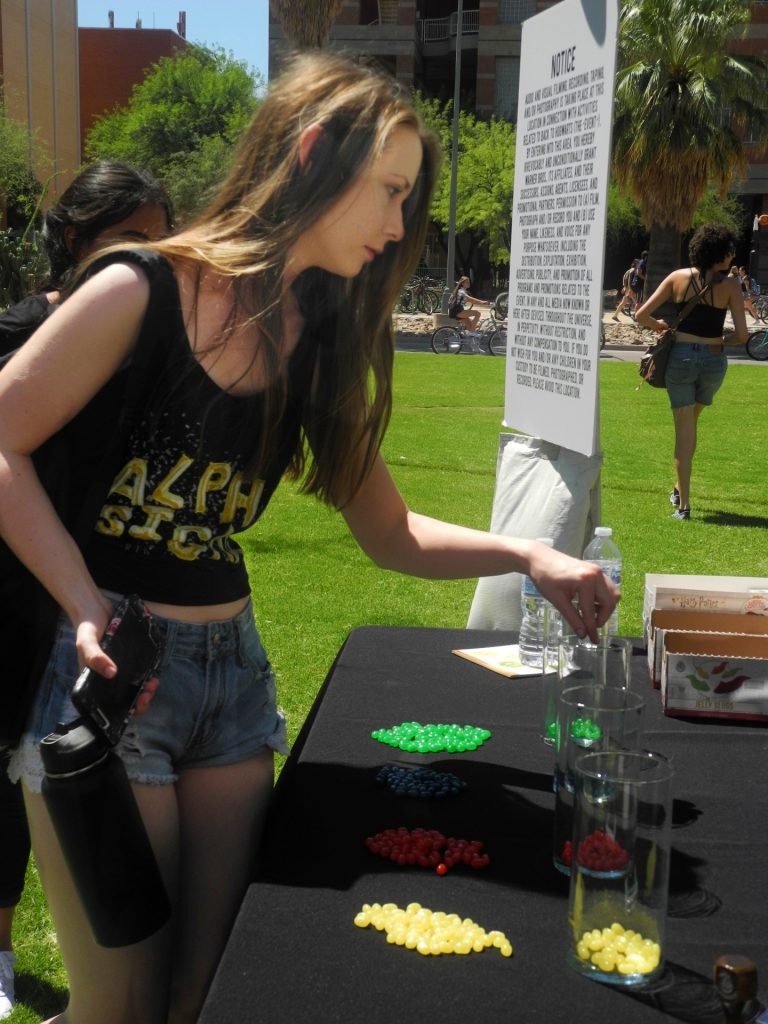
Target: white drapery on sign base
(542, 490)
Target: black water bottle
(102, 836)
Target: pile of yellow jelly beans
(430, 933)
(614, 949)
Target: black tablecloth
(295, 953)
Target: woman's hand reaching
(561, 579)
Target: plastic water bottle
(603, 552)
(535, 609)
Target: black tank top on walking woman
(704, 320)
(181, 489)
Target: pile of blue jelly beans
(421, 783)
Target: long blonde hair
(267, 200)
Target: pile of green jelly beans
(585, 729)
(430, 739)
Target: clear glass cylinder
(553, 632)
(589, 718)
(572, 662)
(617, 906)
(605, 663)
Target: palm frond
(682, 103)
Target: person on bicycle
(751, 290)
(456, 300)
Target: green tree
(182, 123)
(22, 259)
(484, 180)
(20, 190)
(682, 104)
(627, 236)
(624, 220)
(724, 209)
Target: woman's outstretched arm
(396, 538)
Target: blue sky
(239, 26)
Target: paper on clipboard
(504, 659)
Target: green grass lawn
(311, 584)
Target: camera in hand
(132, 642)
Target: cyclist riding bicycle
(456, 300)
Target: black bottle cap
(72, 748)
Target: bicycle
(757, 345)
(761, 307)
(418, 296)
(452, 339)
(500, 306)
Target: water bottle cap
(603, 531)
(546, 540)
(72, 748)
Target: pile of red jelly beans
(598, 852)
(427, 848)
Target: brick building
(58, 78)
(39, 72)
(113, 60)
(416, 40)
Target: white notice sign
(564, 121)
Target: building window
(507, 79)
(512, 12)
(755, 132)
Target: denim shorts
(694, 373)
(215, 704)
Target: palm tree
(682, 104)
(307, 23)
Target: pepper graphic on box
(719, 679)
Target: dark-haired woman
(268, 325)
(697, 363)
(105, 203)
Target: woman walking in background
(697, 362)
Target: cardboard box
(715, 675)
(704, 594)
(662, 621)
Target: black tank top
(181, 489)
(704, 320)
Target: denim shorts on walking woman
(694, 373)
(215, 704)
